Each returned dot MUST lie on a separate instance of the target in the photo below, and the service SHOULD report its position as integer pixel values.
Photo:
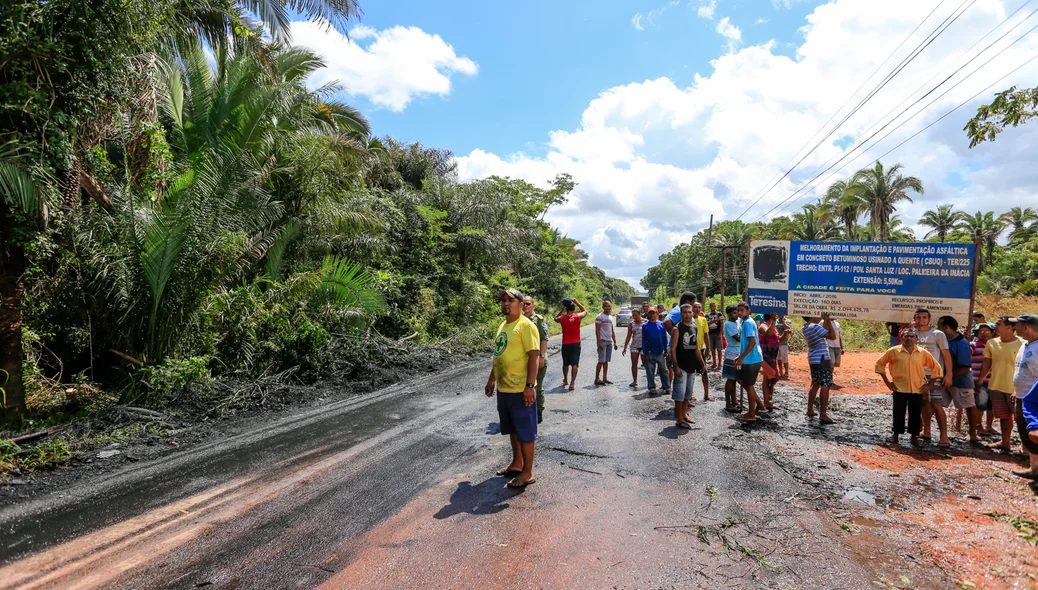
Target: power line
(868, 139)
(845, 103)
(926, 42)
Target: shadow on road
(488, 497)
(493, 428)
(673, 432)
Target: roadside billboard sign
(880, 281)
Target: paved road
(396, 490)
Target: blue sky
(542, 61)
(668, 111)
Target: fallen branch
(126, 357)
(29, 437)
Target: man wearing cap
(654, 351)
(1025, 382)
(1000, 364)
(911, 369)
(516, 362)
(542, 329)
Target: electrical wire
(926, 42)
(846, 102)
(863, 143)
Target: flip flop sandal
(946, 445)
(571, 388)
(684, 425)
(504, 471)
(607, 382)
(731, 410)
(827, 422)
(998, 447)
(633, 385)
(517, 484)
(745, 419)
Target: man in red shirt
(570, 320)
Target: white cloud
(391, 67)
(761, 21)
(640, 21)
(726, 29)
(654, 159)
(707, 8)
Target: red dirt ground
(856, 373)
(985, 551)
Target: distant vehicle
(637, 300)
(623, 318)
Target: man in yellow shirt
(517, 354)
(911, 370)
(1000, 362)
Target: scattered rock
(107, 454)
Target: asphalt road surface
(397, 490)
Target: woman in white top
(634, 340)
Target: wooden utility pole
(724, 254)
(706, 263)
(749, 252)
(973, 287)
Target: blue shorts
(1030, 412)
(728, 370)
(517, 417)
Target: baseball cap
(511, 292)
(984, 325)
(1026, 318)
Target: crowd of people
(989, 369)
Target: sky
(669, 111)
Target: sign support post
(973, 287)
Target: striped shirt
(817, 347)
(978, 360)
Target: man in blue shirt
(747, 365)
(731, 333)
(961, 391)
(654, 351)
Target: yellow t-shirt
(512, 348)
(1003, 363)
(702, 326)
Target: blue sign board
(861, 280)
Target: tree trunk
(12, 267)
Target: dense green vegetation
(181, 210)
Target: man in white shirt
(936, 343)
(606, 336)
(835, 344)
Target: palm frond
(347, 284)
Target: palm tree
(880, 190)
(985, 229)
(943, 221)
(809, 226)
(841, 205)
(1021, 221)
(21, 190)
